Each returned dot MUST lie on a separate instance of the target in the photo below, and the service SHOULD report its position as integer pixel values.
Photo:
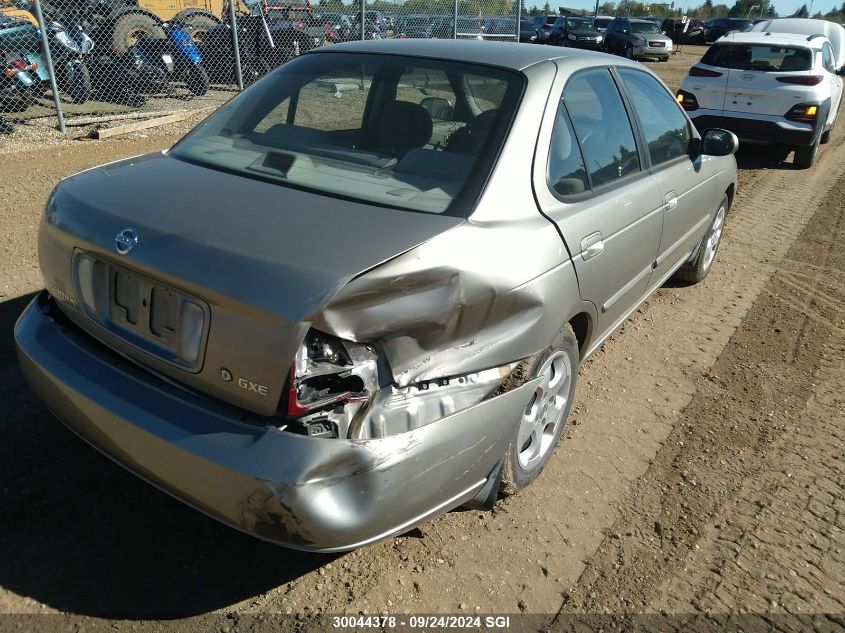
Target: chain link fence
(102, 60)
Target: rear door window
(601, 122)
(759, 57)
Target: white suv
(780, 89)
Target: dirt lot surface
(702, 472)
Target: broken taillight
(328, 371)
(697, 71)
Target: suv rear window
(758, 57)
(409, 133)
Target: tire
(546, 412)
(629, 52)
(129, 26)
(805, 156)
(254, 70)
(664, 59)
(695, 271)
(779, 152)
(76, 81)
(825, 137)
(198, 25)
(196, 78)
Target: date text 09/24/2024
(422, 621)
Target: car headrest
(404, 125)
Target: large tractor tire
(198, 24)
(130, 26)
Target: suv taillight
(803, 112)
(687, 100)
(697, 71)
(806, 80)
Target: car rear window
(402, 132)
(759, 57)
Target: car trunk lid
(256, 259)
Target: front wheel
(629, 52)
(545, 413)
(197, 80)
(695, 271)
(76, 80)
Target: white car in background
(779, 89)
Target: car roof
(503, 54)
(774, 39)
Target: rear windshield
(741, 24)
(409, 133)
(759, 57)
(601, 23)
(643, 27)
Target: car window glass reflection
(566, 172)
(665, 126)
(604, 129)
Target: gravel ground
(702, 472)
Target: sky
(783, 7)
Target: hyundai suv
(779, 89)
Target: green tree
(803, 12)
(607, 8)
(547, 9)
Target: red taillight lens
(803, 113)
(19, 64)
(806, 80)
(697, 71)
(687, 100)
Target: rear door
(686, 184)
(590, 181)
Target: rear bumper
(301, 492)
(775, 130)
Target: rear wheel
(696, 270)
(254, 70)
(545, 413)
(629, 52)
(129, 27)
(805, 157)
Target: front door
(687, 196)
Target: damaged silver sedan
(358, 295)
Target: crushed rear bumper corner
(301, 492)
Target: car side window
(601, 121)
(565, 171)
(827, 58)
(666, 129)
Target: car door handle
(592, 246)
(671, 200)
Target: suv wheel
(629, 52)
(805, 157)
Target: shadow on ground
(81, 535)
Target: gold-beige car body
(430, 315)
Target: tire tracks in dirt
(742, 510)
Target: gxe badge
(125, 241)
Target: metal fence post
(233, 24)
(363, 19)
(455, 20)
(48, 59)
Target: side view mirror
(717, 142)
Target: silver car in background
(358, 295)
